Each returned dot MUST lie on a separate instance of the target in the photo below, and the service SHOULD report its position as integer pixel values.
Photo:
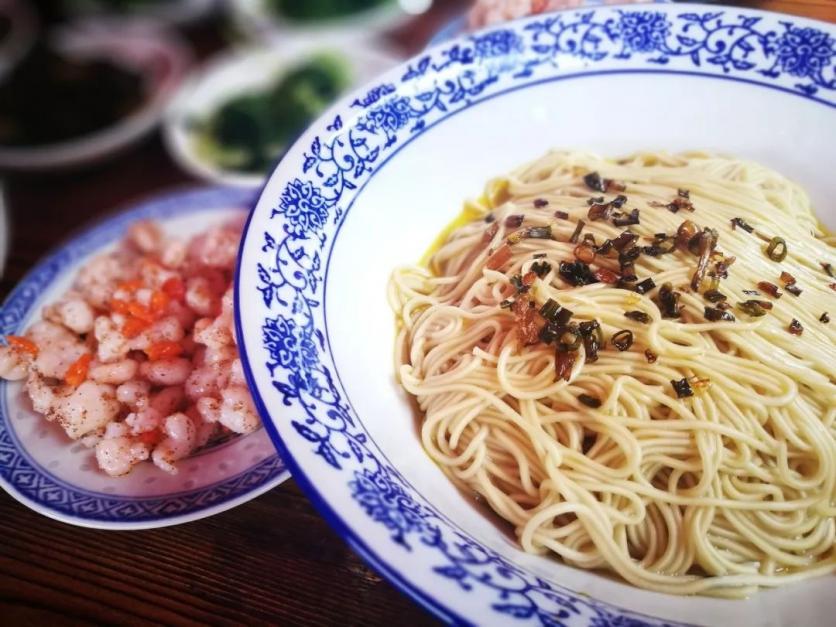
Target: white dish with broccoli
(234, 120)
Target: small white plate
(242, 71)
(158, 54)
(43, 469)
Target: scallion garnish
(593, 339)
(682, 388)
(539, 232)
(627, 219)
(576, 273)
(776, 250)
(622, 340)
(643, 287)
(638, 316)
(541, 268)
(769, 288)
(739, 222)
(668, 301)
(752, 308)
(715, 314)
(594, 182)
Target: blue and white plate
(43, 469)
(459, 24)
(378, 177)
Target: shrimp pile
(486, 12)
(138, 359)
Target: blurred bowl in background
(160, 57)
(18, 29)
(178, 12)
(220, 125)
(276, 19)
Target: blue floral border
(795, 56)
(34, 484)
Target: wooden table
(273, 560)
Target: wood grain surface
(270, 561)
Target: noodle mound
(695, 454)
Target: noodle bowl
(649, 392)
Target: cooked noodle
(718, 493)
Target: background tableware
(158, 54)
(246, 71)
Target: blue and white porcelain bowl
(459, 25)
(377, 178)
(44, 470)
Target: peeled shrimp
(116, 456)
(144, 420)
(134, 394)
(179, 442)
(14, 363)
(115, 373)
(113, 345)
(209, 409)
(201, 298)
(238, 413)
(73, 312)
(166, 371)
(88, 407)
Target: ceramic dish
(378, 177)
(45, 471)
(159, 55)
(255, 18)
(240, 72)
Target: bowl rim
(308, 474)
(194, 504)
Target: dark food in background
(113, 5)
(49, 98)
(312, 10)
